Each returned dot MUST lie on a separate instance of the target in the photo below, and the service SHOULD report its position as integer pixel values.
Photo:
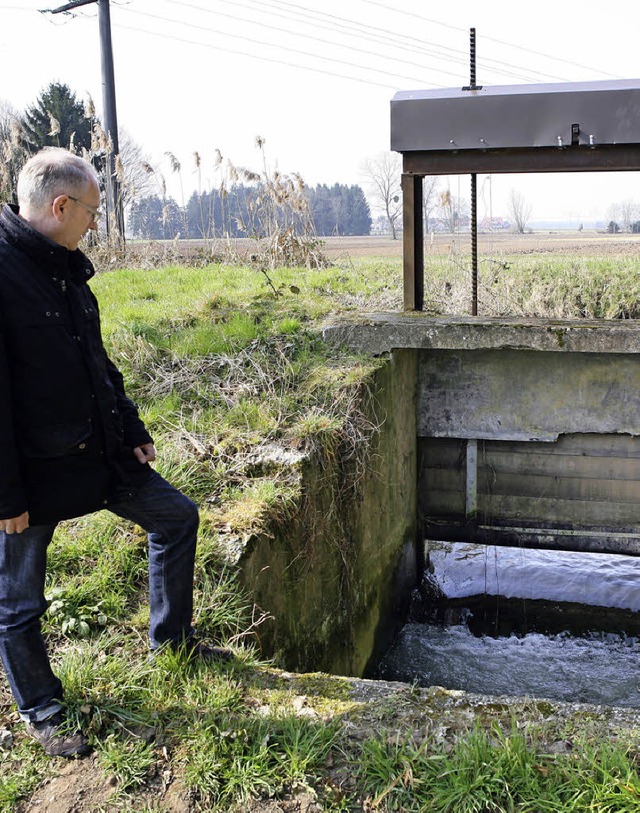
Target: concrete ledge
(379, 333)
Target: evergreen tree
(220, 214)
(145, 218)
(57, 119)
(152, 218)
(359, 221)
(339, 210)
(320, 208)
(251, 210)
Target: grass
(221, 365)
(553, 286)
(489, 770)
(128, 760)
(259, 758)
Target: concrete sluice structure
(515, 432)
(527, 435)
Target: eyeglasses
(96, 214)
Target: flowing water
(562, 626)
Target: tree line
(235, 212)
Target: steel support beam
(413, 242)
(579, 158)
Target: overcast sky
(315, 79)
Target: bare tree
(429, 199)
(519, 211)
(136, 173)
(628, 213)
(384, 173)
(623, 214)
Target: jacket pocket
(58, 439)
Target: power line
(270, 45)
(419, 48)
(373, 33)
(420, 80)
(342, 24)
(308, 17)
(340, 27)
(490, 39)
(381, 34)
(314, 18)
(295, 9)
(307, 36)
(254, 56)
(317, 39)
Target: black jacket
(67, 429)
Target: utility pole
(115, 216)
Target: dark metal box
(513, 116)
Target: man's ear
(59, 207)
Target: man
(71, 442)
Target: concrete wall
(335, 576)
(506, 394)
(529, 430)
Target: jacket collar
(50, 256)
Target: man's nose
(93, 225)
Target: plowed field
(567, 242)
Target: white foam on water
(603, 580)
(604, 669)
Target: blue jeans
(171, 521)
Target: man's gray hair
(51, 172)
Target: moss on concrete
(333, 576)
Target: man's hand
(145, 453)
(15, 525)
